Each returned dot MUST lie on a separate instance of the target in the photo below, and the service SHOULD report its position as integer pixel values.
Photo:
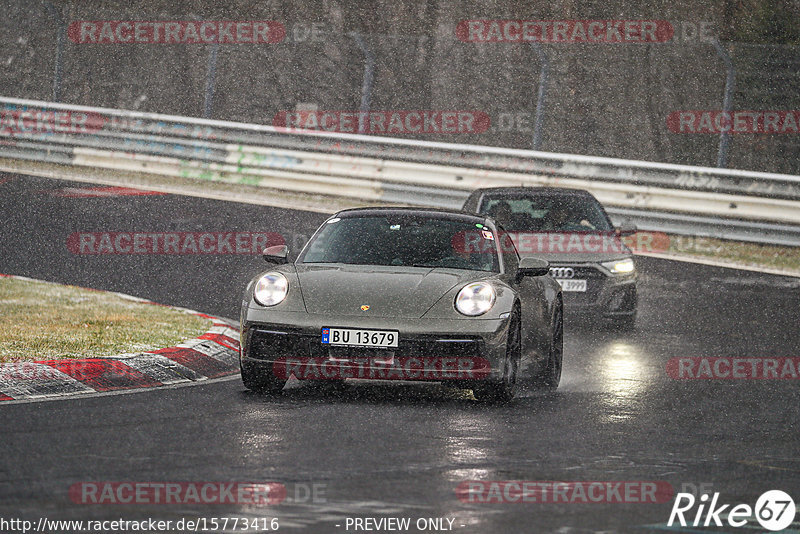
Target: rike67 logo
(774, 510)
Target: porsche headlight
(271, 289)
(620, 266)
(475, 299)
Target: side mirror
(276, 254)
(532, 267)
(626, 228)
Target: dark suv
(570, 229)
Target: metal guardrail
(752, 206)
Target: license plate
(360, 338)
(572, 284)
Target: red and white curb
(211, 355)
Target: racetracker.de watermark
(40, 121)
(564, 31)
(395, 122)
(177, 493)
(561, 242)
(383, 368)
(576, 492)
(734, 122)
(714, 368)
(176, 32)
(172, 243)
(83, 370)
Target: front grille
(270, 344)
(595, 281)
(440, 346)
(274, 344)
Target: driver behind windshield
(562, 218)
(501, 212)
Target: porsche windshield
(403, 241)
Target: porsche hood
(403, 292)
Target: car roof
(539, 191)
(412, 212)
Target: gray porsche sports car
(392, 294)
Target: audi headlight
(475, 299)
(271, 289)
(620, 266)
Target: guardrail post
(366, 85)
(61, 33)
(211, 77)
(538, 119)
(727, 103)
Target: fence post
(366, 85)
(538, 119)
(61, 33)
(727, 103)
(211, 78)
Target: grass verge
(737, 253)
(40, 321)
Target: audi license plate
(571, 284)
(360, 338)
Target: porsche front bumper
(457, 350)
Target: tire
(505, 389)
(550, 376)
(260, 381)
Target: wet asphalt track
(400, 450)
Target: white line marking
(239, 198)
(718, 263)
